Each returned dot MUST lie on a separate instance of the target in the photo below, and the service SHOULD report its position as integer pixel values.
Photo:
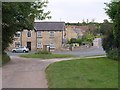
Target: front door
(29, 45)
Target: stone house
(24, 38)
(48, 34)
(75, 31)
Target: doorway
(29, 45)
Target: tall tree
(111, 42)
(113, 12)
(18, 16)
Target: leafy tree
(17, 16)
(106, 27)
(113, 38)
(79, 41)
(88, 38)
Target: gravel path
(25, 73)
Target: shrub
(5, 59)
(43, 52)
(114, 54)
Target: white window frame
(30, 34)
(39, 34)
(18, 33)
(16, 43)
(52, 33)
(39, 43)
(52, 43)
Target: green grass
(46, 56)
(83, 73)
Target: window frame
(29, 34)
(39, 34)
(16, 44)
(18, 34)
(52, 34)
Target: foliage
(114, 54)
(113, 37)
(79, 41)
(88, 38)
(74, 40)
(83, 73)
(17, 16)
(5, 59)
(106, 27)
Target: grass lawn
(46, 56)
(83, 73)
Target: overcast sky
(77, 10)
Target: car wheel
(14, 51)
(24, 51)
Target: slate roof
(46, 26)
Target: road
(78, 52)
(84, 52)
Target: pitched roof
(56, 26)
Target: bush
(114, 54)
(5, 59)
(43, 52)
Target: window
(51, 43)
(51, 33)
(29, 34)
(17, 44)
(39, 43)
(39, 34)
(18, 34)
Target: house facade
(50, 34)
(75, 31)
(25, 38)
(46, 34)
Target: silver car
(20, 49)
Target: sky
(77, 10)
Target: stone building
(48, 34)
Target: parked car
(20, 49)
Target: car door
(19, 49)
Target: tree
(88, 38)
(79, 41)
(18, 16)
(106, 27)
(113, 11)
